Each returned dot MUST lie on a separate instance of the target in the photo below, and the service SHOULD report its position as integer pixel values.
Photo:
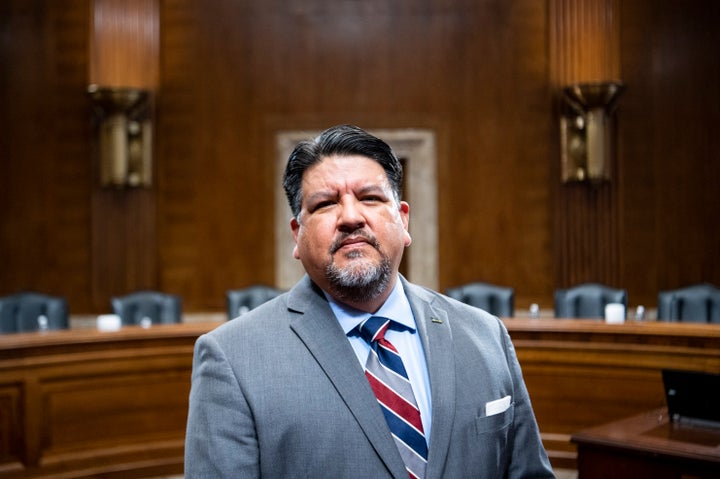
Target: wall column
(585, 47)
(124, 52)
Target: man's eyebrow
(331, 193)
(372, 189)
(323, 194)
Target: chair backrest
(24, 312)
(147, 307)
(587, 300)
(497, 300)
(699, 303)
(240, 301)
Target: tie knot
(373, 328)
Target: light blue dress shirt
(407, 342)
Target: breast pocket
(496, 422)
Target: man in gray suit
(283, 391)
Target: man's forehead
(344, 170)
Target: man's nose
(351, 216)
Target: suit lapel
(436, 337)
(318, 329)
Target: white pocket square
(497, 406)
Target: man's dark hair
(343, 140)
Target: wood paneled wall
(669, 160)
(483, 75)
(45, 137)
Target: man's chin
(356, 266)
(358, 281)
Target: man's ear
(405, 216)
(295, 227)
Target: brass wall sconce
(125, 135)
(586, 141)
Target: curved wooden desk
(583, 373)
(83, 403)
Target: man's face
(351, 232)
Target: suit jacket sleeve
(527, 456)
(220, 439)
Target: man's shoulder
(453, 307)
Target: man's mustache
(370, 239)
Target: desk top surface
(652, 432)
(577, 329)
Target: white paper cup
(614, 313)
(108, 322)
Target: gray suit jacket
(279, 393)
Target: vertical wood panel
(668, 136)
(584, 36)
(124, 52)
(125, 43)
(182, 252)
(585, 41)
(44, 149)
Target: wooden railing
(83, 403)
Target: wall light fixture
(586, 133)
(125, 135)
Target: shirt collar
(396, 307)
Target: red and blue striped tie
(389, 381)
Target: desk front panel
(83, 403)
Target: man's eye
(323, 204)
(372, 199)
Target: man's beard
(360, 281)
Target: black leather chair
(240, 301)
(29, 311)
(497, 300)
(587, 300)
(145, 308)
(699, 303)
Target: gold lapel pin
(436, 320)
